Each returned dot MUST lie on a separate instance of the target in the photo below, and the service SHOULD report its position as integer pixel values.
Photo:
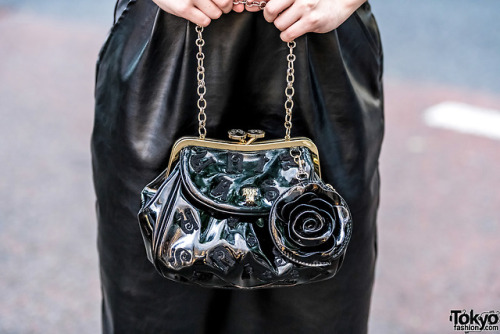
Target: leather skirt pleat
(145, 99)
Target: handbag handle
(201, 90)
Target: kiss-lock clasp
(241, 136)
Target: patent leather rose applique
(310, 224)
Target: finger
(208, 8)
(296, 30)
(275, 7)
(224, 5)
(239, 8)
(287, 18)
(197, 17)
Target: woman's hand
(200, 12)
(294, 18)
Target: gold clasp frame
(242, 146)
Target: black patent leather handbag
(244, 213)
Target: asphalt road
(439, 219)
(453, 42)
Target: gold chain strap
(202, 89)
(289, 90)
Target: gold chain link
(289, 90)
(202, 103)
(202, 89)
(250, 3)
(296, 154)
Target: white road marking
(464, 118)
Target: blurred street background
(439, 219)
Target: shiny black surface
(311, 225)
(196, 234)
(270, 179)
(146, 99)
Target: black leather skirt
(146, 99)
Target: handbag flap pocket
(239, 182)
